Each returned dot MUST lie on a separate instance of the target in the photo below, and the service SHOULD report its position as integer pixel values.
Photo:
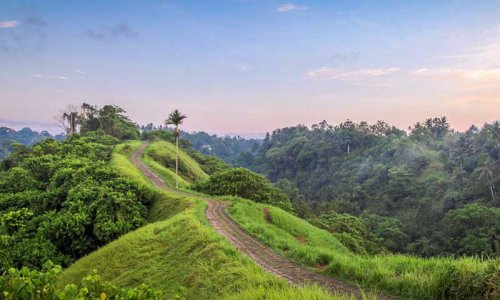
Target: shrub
(32, 284)
(246, 184)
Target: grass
(121, 161)
(180, 254)
(402, 275)
(160, 153)
(167, 175)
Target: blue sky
(250, 66)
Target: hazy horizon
(251, 66)
(54, 129)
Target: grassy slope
(160, 151)
(403, 275)
(180, 254)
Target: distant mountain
(25, 136)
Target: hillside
(293, 237)
(430, 192)
(180, 246)
(179, 254)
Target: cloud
(28, 36)
(9, 24)
(38, 75)
(289, 7)
(338, 74)
(111, 32)
(80, 72)
(460, 74)
(62, 77)
(485, 53)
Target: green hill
(160, 156)
(179, 254)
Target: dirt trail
(258, 251)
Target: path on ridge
(274, 263)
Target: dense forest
(375, 188)
(61, 200)
(429, 191)
(227, 148)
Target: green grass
(120, 161)
(167, 175)
(158, 153)
(402, 275)
(180, 254)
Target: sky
(251, 66)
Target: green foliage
(400, 275)
(300, 207)
(109, 119)
(473, 229)
(351, 231)
(25, 137)
(181, 255)
(20, 284)
(158, 134)
(61, 200)
(232, 150)
(209, 164)
(405, 184)
(387, 230)
(163, 153)
(179, 245)
(246, 184)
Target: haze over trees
(25, 137)
(373, 189)
(413, 190)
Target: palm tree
(486, 172)
(176, 118)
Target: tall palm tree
(176, 118)
(486, 172)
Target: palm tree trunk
(492, 188)
(177, 157)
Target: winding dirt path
(258, 251)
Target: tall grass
(402, 275)
(121, 161)
(179, 254)
(167, 175)
(162, 151)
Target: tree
(246, 184)
(176, 118)
(69, 119)
(486, 173)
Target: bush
(62, 200)
(246, 184)
(32, 284)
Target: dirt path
(259, 252)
